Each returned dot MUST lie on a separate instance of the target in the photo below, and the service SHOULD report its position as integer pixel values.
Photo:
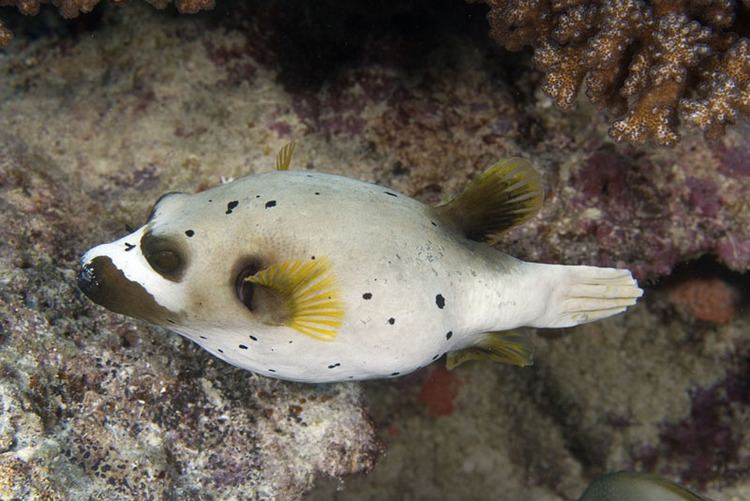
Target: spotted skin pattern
(411, 287)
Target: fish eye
(246, 290)
(163, 256)
(164, 261)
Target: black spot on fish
(203, 337)
(440, 301)
(367, 295)
(253, 338)
(231, 206)
(449, 335)
(270, 203)
(395, 373)
(209, 200)
(220, 350)
(271, 370)
(129, 247)
(333, 366)
(436, 357)
(257, 196)
(189, 233)
(243, 347)
(391, 194)
(433, 223)
(317, 193)
(391, 320)
(312, 257)
(171, 321)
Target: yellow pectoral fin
(307, 294)
(284, 156)
(509, 347)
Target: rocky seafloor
(101, 115)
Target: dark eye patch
(165, 255)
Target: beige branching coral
(72, 8)
(650, 64)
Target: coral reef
(650, 63)
(92, 134)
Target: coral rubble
(651, 64)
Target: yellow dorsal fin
(284, 156)
(508, 347)
(307, 294)
(504, 196)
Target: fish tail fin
(581, 294)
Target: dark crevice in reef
(50, 24)
(312, 41)
(705, 267)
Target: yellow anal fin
(284, 156)
(504, 196)
(308, 295)
(509, 347)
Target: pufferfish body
(319, 278)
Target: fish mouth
(87, 282)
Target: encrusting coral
(71, 8)
(651, 64)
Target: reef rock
(93, 405)
(101, 115)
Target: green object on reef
(634, 486)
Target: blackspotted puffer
(315, 277)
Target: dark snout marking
(105, 285)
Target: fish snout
(87, 281)
(107, 285)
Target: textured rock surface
(93, 405)
(96, 124)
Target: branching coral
(72, 8)
(648, 63)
